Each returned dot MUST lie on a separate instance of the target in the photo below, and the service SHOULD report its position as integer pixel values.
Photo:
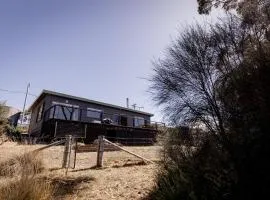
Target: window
(65, 111)
(120, 120)
(75, 114)
(40, 112)
(138, 121)
(116, 119)
(123, 120)
(94, 113)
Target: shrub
(189, 172)
(3, 122)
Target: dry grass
(26, 188)
(20, 179)
(26, 164)
(123, 175)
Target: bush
(3, 123)
(23, 183)
(189, 172)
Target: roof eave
(86, 100)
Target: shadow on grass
(127, 164)
(69, 185)
(130, 164)
(88, 168)
(55, 169)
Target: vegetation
(84, 182)
(23, 183)
(3, 122)
(217, 78)
(8, 132)
(26, 164)
(21, 179)
(27, 188)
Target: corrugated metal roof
(44, 92)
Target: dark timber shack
(54, 115)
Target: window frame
(40, 112)
(136, 119)
(94, 110)
(58, 105)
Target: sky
(101, 50)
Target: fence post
(75, 151)
(67, 151)
(100, 150)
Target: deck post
(100, 150)
(85, 130)
(55, 129)
(67, 152)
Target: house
(54, 115)
(12, 114)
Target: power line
(17, 92)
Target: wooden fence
(71, 148)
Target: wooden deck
(55, 128)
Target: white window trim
(65, 104)
(95, 110)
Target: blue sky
(101, 50)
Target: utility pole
(28, 86)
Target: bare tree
(218, 76)
(185, 82)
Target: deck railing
(96, 116)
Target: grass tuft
(27, 188)
(26, 164)
(21, 181)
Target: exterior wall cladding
(48, 99)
